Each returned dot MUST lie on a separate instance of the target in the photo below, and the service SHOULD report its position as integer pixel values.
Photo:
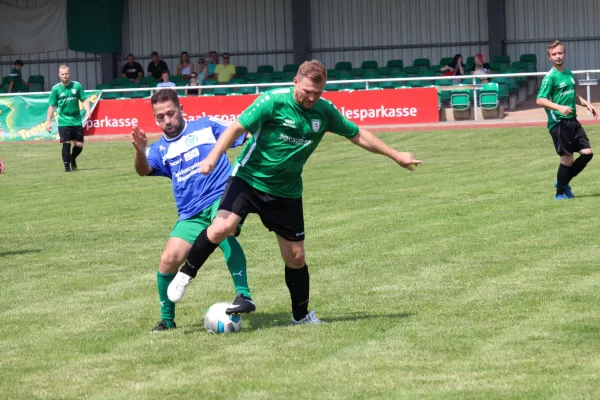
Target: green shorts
(189, 229)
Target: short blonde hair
(64, 66)
(554, 44)
(313, 70)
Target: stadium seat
(436, 70)
(417, 84)
(496, 67)
(265, 69)
(291, 68)
(384, 72)
(503, 60)
(332, 87)
(399, 74)
(265, 79)
(446, 60)
(343, 66)
(387, 84)
(250, 77)
(444, 95)
(240, 71)
(530, 60)
(6, 80)
(395, 65)
(358, 85)
(412, 71)
(221, 91)
(39, 79)
(121, 81)
(248, 90)
(460, 99)
(2, 90)
(488, 96)
(422, 63)
(148, 80)
(357, 73)
(111, 95)
(134, 95)
(470, 60)
(278, 76)
(36, 87)
(333, 74)
(370, 65)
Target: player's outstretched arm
(372, 143)
(139, 142)
(234, 131)
(546, 103)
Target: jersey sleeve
(219, 126)
(53, 99)
(155, 162)
(81, 92)
(258, 113)
(545, 88)
(339, 124)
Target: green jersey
(66, 100)
(559, 88)
(284, 135)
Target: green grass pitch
(461, 280)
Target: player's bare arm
(583, 102)
(234, 131)
(86, 107)
(49, 118)
(139, 142)
(372, 143)
(546, 103)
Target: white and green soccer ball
(216, 321)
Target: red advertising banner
(364, 107)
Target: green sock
(167, 307)
(236, 262)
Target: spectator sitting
(456, 67)
(480, 67)
(185, 68)
(157, 66)
(164, 81)
(212, 63)
(132, 70)
(16, 81)
(225, 71)
(202, 71)
(193, 82)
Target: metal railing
(472, 78)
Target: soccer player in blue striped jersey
(177, 156)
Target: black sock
(66, 155)
(562, 178)
(298, 282)
(201, 250)
(76, 152)
(580, 164)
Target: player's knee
(220, 229)
(568, 161)
(587, 152)
(169, 263)
(295, 258)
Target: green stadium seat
(248, 90)
(357, 73)
(121, 81)
(240, 71)
(399, 74)
(496, 67)
(446, 60)
(148, 80)
(470, 60)
(343, 66)
(210, 82)
(39, 79)
(237, 81)
(358, 85)
(417, 84)
(266, 79)
(6, 80)
(444, 95)
(265, 69)
(412, 71)
(333, 74)
(460, 99)
(370, 65)
(332, 87)
(395, 65)
(436, 70)
(422, 63)
(221, 91)
(384, 72)
(2, 90)
(502, 88)
(386, 85)
(488, 96)
(503, 60)
(134, 95)
(250, 77)
(530, 60)
(278, 76)
(111, 95)
(291, 68)
(36, 87)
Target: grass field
(462, 280)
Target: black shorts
(68, 133)
(569, 137)
(283, 216)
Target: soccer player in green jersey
(286, 126)
(557, 95)
(65, 98)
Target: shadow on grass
(587, 195)
(259, 320)
(18, 252)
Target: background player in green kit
(557, 95)
(286, 126)
(65, 99)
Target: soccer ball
(216, 321)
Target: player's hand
(139, 139)
(408, 161)
(207, 166)
(49, 126)
(565, 110)
(592, 109)
(87, 116)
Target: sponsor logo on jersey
(316, 125)
(289, 123)
(191, 154)
(62, 94)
